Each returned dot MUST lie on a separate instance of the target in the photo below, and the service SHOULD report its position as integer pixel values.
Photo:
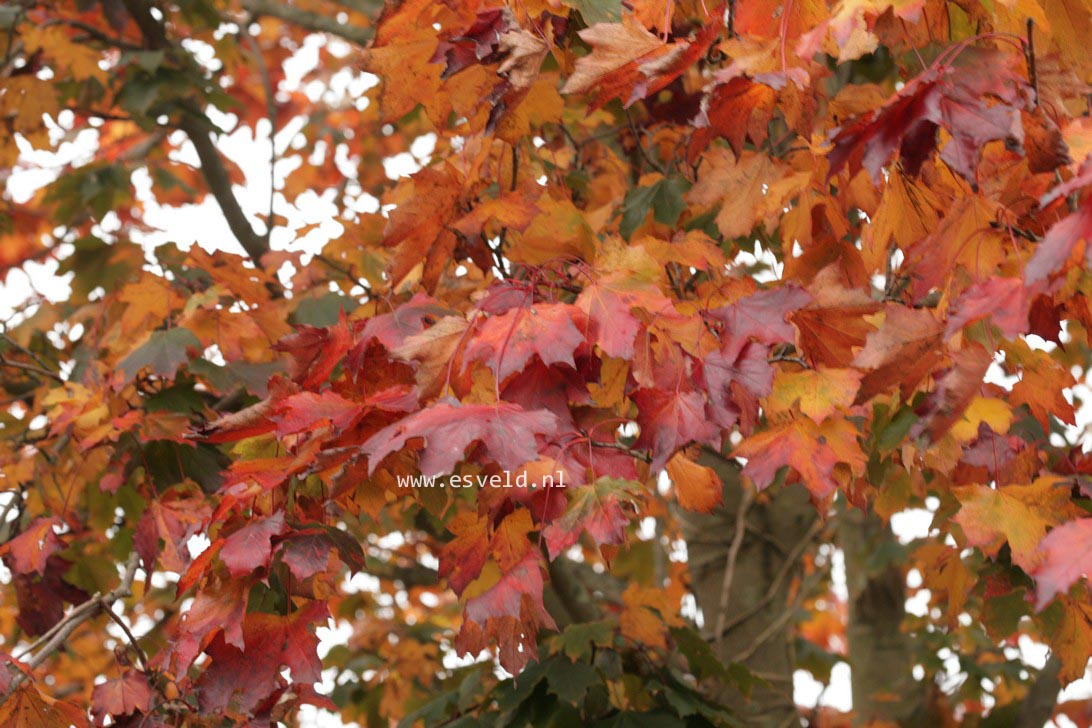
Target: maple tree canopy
(716, 292)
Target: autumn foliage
(723, 287)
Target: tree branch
(775, 586)
(313, 22)
(30, 368)
(572, 591)
(141, 655)
(730, 564)
(195, 124)
(212, 168)
(52, 640)
(93, 33)
(1042, 696)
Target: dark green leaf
(164, 352)
(570, 681)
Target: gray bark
(758, 630)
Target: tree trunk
(757, 630)
(880, 653)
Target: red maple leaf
(509, 613)
(550, 331)
(977, 99)
(1066, 557)
(315, 352)
(244, 676)
(251, 546)
(507, 433)
(670, 419)
(125, 695)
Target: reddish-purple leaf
(1066, 556)
(125, 695)
(251, 547)
(507, 433)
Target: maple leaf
(497, 37)
(305, 410)
(1071, 639)
(509, 611)
(250, 547)
(629, 63)
(550, 331)
(393, 328)
(509, 544)
(164, 352)
(647, 615)
(736, 110)
(315, 351)
(955, 390)
(243, 677)
(850, 27)
(1065, 555)
(817, 393)
(28, 708)
(30, 550)
(1042, 384)
(973, 104)
(598, 508)
(946, 574)
(613, 326)
(696, 486)
(762, 315)
(1017, 514)
(214, 612)
(172, 519)
(1057, 246)
(836, 325)
(507, 433)
(902, 351)
(742, 187)
(463, 558)
(609, 303)
(432, 349)
(736, 377)
(125, 695)
(811, 450)
(306, 551)
(670, 419)
(41, 598)
(1004, 300)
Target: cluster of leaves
(562, 292)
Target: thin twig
(16, 497)
(498, 252)
(733, 555)
(196, 125)
(644, 456)
(52, 640)
(1029, 54)
(641, 148)
(93, 33)
(16, 345)
(782, 619)
(31, 368)
(310, 21)
(779, 578)
(788, 358)
(345, 270)
(141, 655)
